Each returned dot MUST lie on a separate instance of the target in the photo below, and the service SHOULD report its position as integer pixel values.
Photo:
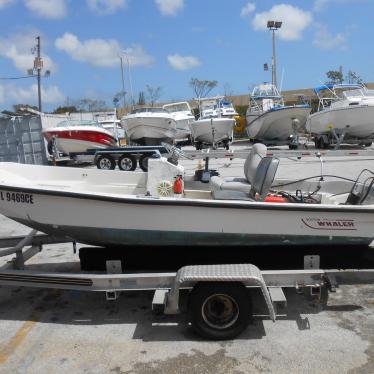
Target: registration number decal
(17, 197)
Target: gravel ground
(45, 331)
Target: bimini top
(265, 90)
(332, 87)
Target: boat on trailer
(345, 114)
(214, 127)
(270, 121)
(109, 208)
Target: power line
(11, 78)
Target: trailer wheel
(106, 162)
(293, 146)
(127, 163)
(219, 310)
(143, 162)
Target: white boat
(110, 208)
(78, 135)
(114, 126)
(149, 126)
(345, 112)
(270, 121)
(215, 125)
(183, 116)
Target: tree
(353, 77)
(20, 107)
(90, 105)
(153, 94)
(118, 97)
(201, 88)
(141, 98)
(65, 109)
(335, 76)
(227, 90)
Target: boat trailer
(219, 296)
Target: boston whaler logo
(329, 224)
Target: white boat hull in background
(356, 121)
(276, 125)
(150, 130)
(209, 130)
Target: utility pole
(38, 65)
(123, 83)
(273, 26)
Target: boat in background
(183, 116)
(149, 126)
(270, 121)
(77, 136)
(214, 127)
(345, 113)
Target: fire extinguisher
(178, 186)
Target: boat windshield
(225, 104)
(148, 110)
(177, 107)
(70, 123)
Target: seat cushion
(254, 158)
(229, 184)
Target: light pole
(273, 26)
(123, 83)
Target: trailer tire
(219, 310)
(127, 163)
(143, 162)
(293, 147)
(106, 162)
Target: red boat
(78, 136)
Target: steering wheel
(175, 153)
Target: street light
(273, 26)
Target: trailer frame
(167, 286)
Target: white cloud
(320, 5)
(323, 39)
(294, 19)
(17, 48)
(106, 6)
(101, 52)
(4, 3)
(247, 9)
(29, 95)
(179, 62)
(51, 9)
(170, 7)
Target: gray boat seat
(260, 186)
(264, 177)
(254, 158)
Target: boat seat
(262, 181)
(254, 158)
(264, 177)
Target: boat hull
(69, 141)
(150, 130)
(202, 130)
(356, 121)
(276, 125)
(119, 221)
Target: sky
(165, 43)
